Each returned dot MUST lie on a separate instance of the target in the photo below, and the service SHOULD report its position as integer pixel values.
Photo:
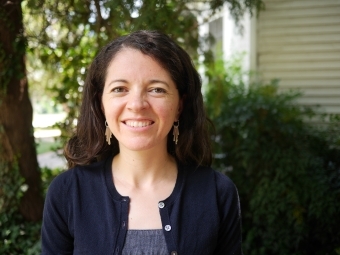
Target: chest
(144, 212)
(189, 226)
(144, 208)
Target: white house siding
(228, 36)
(298, 42)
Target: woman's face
(140, 101)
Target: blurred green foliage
(17, 235)
(286, 166)
(44, 145)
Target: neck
(143, 168)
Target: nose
(137, 101)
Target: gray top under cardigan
(145, 242)
(84, 213)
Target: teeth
(131, 123)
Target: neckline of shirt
(107, 170)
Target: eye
(158, 90)
(119, 90)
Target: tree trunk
(16, 131)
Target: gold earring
(175, 132)
(108, 133)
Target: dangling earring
(175, 132)
(108, 133)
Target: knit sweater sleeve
(55, 234)
(230, 236)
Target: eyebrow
(150, 82)
(159, 81)
(119, 80)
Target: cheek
(108, 107)
(168, 114)
(112, 109)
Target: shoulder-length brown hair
(89, 145)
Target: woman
(146, 186)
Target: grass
(46, 145)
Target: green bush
(17, 235)
(287, 169)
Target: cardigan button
(161, 205)
(167, 228)
(174, 253)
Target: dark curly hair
(88, 144)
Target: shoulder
(210, 180)
(224, 184)
(207, 175)
(74, 176)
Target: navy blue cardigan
(84, 213)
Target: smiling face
(140, 101)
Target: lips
(134, 123)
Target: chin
(142, 145)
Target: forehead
(133, 61)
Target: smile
(133, 123)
